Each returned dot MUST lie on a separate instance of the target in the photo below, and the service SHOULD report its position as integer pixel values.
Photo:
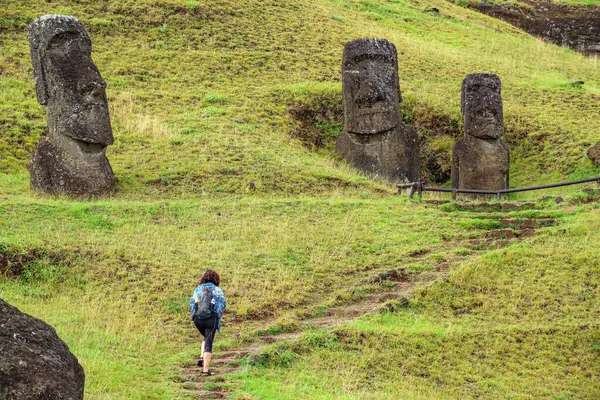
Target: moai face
(481, 104)
(68, 82)
(371, 91)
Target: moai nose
(369, 93)
(93, 87)
(90, 83)
(371, 90)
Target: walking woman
(207, 305)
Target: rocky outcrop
(575, 27)
(35, 364)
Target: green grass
(120, 271)
(215, 169)
(502, 327)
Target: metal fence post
(411, 193)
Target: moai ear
(462, 96)
(395, 62)
(38, 71)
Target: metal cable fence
(419, 187)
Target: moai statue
(481, 159)
(71, 159)
(374, 138)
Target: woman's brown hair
(211, 276)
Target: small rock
(594, 154)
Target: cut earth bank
(576, 27)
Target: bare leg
(207, 357)
(202, 351)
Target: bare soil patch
(569, 26)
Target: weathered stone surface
(35, 363)
(480, 164)
(72, 158)
(481, 105)
(480, 160)
(57, 166)
(594, 154)
(371, 89)
(390, 155)
(374, 138)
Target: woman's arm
(220, 302)
(193, 302)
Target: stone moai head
(69, 84)
(371, 91)
(481, 105)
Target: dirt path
(228, 362)
(506, 231)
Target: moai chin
(71, 159)
(481, 160)
(374, 139)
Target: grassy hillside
(224, 115)
(518, 323)
(200, 92)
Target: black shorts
(208, 329)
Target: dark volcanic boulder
(594, 154)
(35, 364)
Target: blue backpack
(205, 304)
